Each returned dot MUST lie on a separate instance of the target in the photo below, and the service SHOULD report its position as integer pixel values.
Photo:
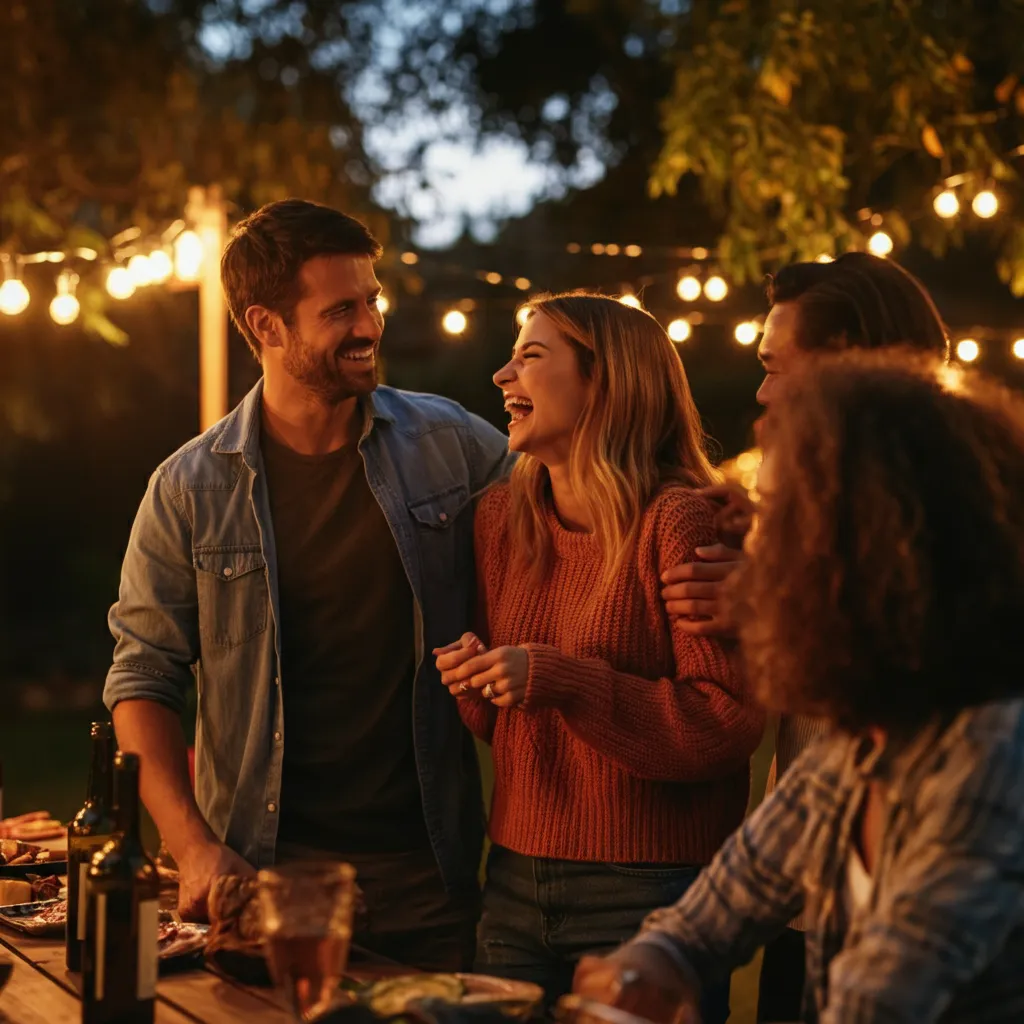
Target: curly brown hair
(886, 577)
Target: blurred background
(672, 152)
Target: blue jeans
(541, 915)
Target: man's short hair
(262, 261)
(860, 301)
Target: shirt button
(272, 807)
(228, 571)
(277, 680)
(277, 737)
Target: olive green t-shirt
(347, 659)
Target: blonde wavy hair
(640, 429)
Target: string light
(522, 283)
(188, 256)
(688, 288)
(64, 308)
(454, 322)
(612, 250)
(967, 350)
(493, 277)
(574, 247)
(985, 204)
(140, 270)
(946, 204)
(880, 244)
(1018, 348)
(597, 249)
(14, 297)
(715, 288)
(632, 251)
(161, 266)
(629, 299)
(120, 284)
(383, 304)
(680, 330)
(410, 259)
(746, 333)
(700, 253)
(824, 258)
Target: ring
(488, 692)
(463, 687)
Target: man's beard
(324, 374)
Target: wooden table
(41, 991)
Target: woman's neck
(571, 510)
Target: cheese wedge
(13, 890)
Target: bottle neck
(101, 774)
(128, 802)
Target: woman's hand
(451, 657)
(499, 676)
(642, 980)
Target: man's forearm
(154, 732)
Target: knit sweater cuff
(553, 678)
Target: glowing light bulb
(746, 333)
(824, 258)
(1018, 348)
(161, 266)
(967, 350)
(523, 315)
(188, 256)
(633, 251)
(120, 284)
(629, 299)
(985, 204)
(383, 303)
(454, 322)
(493, 277)
(597, 249)
(140, 270)
(880, 244)
(522, 283)
(747, 462)
(612, 249)
(409, 258)
(64, 309)
(688, 288)
(14, 297)
(715, 288)
(946, 204)
(680, 330)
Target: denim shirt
(199, 597)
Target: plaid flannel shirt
(941, 937)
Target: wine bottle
(119, 956)
(88, 833)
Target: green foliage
(113, 110)
(797, 117)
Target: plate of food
(34, 827)
(19, 859)
(40, 919)
(179, 942)
(395, 996)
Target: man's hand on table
(640, 979)
(198, 866)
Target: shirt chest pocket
(443, 529)
(233, 594)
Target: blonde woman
(621, 747)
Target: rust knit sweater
(634, 741)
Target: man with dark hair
(299, 558)
(857, 301)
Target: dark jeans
(410, 919)
(782, 978)
(540, 916)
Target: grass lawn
(46, 765)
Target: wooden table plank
(197, 995)
(30, 997)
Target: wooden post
(208, 213)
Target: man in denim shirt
(298, 559)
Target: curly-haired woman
(884, 593)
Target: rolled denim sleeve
(155, 621)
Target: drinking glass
(307, 929)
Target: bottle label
(85, 848)
(149, 916)
(100, 969)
